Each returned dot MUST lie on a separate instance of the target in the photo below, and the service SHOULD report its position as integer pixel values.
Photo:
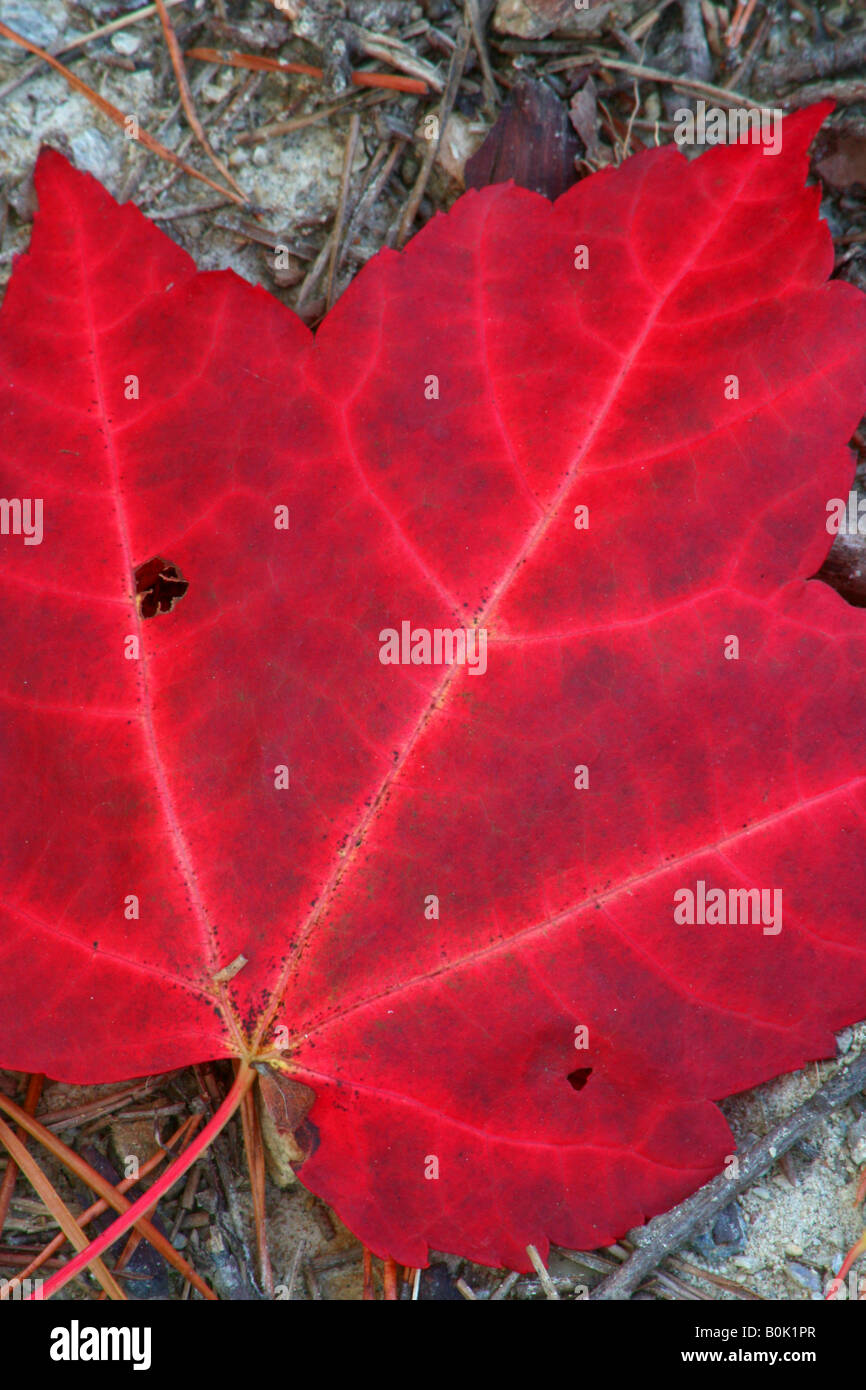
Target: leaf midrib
(627, 885)
(531, 544)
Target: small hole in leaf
(158, 587)
(578, 1079)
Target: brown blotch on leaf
(288, 1135)
(158, 587)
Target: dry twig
(186, 97)
(455, 73)
(256, 63)
(666, 1233)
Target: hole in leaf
(578, 1079)
(158, 587)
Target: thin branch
(455, 73)
(543, 1276)
(134, 1214)
(667, 1233)
(689, 84)
(31, 1100)
(370, 194)
(823, 60)
(276, 128)
(100, 1206)
(700, 64)
(58, 1208)
(339, 221)
(256, 63)
(473, 18)
(187, 102)
(97, 1183)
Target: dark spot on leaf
(307, 1138)
(578, 1078)
(158, 587)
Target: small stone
(844, 1040)
(131, 1139)
(728, 1230)
(287, 273)
(260, 156)
(793, 1249)
(535, 19)
(92, 152)
(409, 170)
(856, 1140)
(126, 43)
(41, 23)
(238, 157)
(22, 199)
(747, 1262)
(804, 1276)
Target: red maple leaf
(453, 901)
